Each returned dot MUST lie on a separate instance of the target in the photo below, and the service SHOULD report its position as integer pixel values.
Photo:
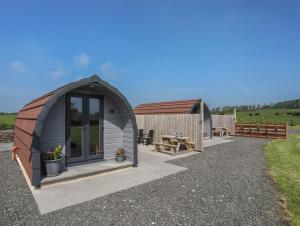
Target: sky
(226, 52)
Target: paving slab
(57, 196)
(6, 146)
(83, 170)
(217, 141)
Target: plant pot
(52, 167)
(120, 158)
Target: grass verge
(283, 157)
(294, 127)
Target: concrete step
(86, 170)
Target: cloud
(82, 60)
(18, 66)
(108, 70)
(241, 86)
(58, 73)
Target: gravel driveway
(224, 185)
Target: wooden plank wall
(273, 131)
(189, 125)
(225, 121)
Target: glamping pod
(89, 118)
(179, 107)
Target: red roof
(170, 107)
(24, 127)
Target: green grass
(7, 121)
(294, 127)
(268, 116)
(283, 157)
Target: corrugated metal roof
(170, 107)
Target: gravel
(6, 136)
(224, 185)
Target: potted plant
(120, 155)
(52, 161)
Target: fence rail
(273, 131)
(189, 125)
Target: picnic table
(174, 144)
(219, 131)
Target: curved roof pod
(170, 107)
(178, 107)
(30, 119)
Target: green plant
(53, 155)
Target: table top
(174, 137)
(219, 128)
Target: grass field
(283, 157)
(269, 116)
(7, 121)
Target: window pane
(94, 115)
(76, 126)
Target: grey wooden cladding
(118, 129)
(189, 125)
(225, 121)
(54, 127)
(115, 129)
(207, 125)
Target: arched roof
(29, 121)
(170, 107)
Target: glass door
(95, 128)
(84, 128)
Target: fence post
(234, 115)
(202, 126)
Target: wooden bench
(191, 146)
(219, 131)
(161, 147)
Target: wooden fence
(189, 125)
(273, 131)
(224, 121)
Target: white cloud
(108, 71)
(58, 73)
(18, 66)
(82, 60)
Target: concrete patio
(85, 170)
(56, 196)
(74, 189)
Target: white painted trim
(25, 174)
